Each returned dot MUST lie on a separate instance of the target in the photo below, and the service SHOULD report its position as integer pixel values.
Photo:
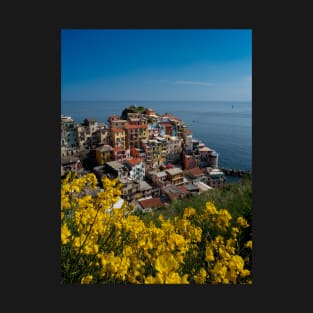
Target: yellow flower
(90, 249)
(210, 208)
(123, 246)
(172, 278)
(209, 255)
(219, 273)
(180, 258)
(223, 253)
(184, 279)
(223, 219)
(249, 244)
(244, 273)
(128, 251)
(149, 280)
(166, 263)
(201, 277)
(234, 231)
(242, 222)
(159, 279)
(189, 212)
(86, 279)
(238, 261)
(195, 234)
(65, 234)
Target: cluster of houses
(154, 156)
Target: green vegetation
(101, 245)
(236, 197)
(136, 109)
(132, 109)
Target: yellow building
(175, 176)
(118, 137)
(104, 154)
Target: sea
(225, 126)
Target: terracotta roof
(135, 126)
(154, 203)
(133, 161)
(166, 124)
(195, 172)
(117, 130)
(183, 188)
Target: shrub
(103, 245)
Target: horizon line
(224, 100)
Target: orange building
(134, 134)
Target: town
(155, 157)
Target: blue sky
(156, 64)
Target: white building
(68, 132)
(136, 168)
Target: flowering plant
(104, 245)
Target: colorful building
(103, 136)
(121, 154)
(213, 159)
(134, 134)
(166, 128)
(194, 175)
(153, 130)
(191, 161)
(187, 136)
(174, 149)
(113, 118)
(115, 169)
(150, 203)
(117, 123)
(216, 178)
(138, 153)
(174, 192)
(118, 137)
(160, 179)
(68, 133)
(150, 112)
(175, 176)
(155, 150)
(204, 153)
(136, 169)
(104, 154)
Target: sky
(156, 64)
